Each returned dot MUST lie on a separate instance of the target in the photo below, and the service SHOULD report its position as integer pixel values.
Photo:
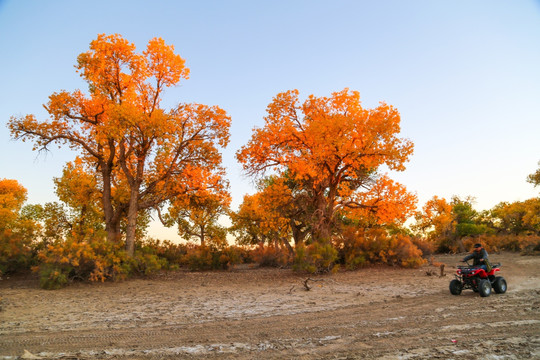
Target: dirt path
(377, 313)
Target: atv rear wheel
(455, 287)
(484, 288)
(499, 285)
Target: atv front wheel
(499, 285)
(455, 287)
(484, 288)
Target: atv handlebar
(497, 265)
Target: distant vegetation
(321, 202)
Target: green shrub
(315, 258)
(173, 254)
(210, 257)
(52, 278)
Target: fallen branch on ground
(306, 285)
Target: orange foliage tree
(436, 218)
(517, 218)
(534, 178)
(124, 134)
(17, 232)
(447, 224)
(198, 216)
(333, 148)
(264, 217)
(437, 223)
(12, 198)
(78, 189)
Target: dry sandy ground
(375, 313)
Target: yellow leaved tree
(332, 149)
(125, 137)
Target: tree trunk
(323, 223)
(113, 231)
(132, 221)
(289, 247)
(459, 242)
(323, 215)
(298, 234)
(112, 220)
(202, 236)
(134, 181)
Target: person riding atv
(480, 258)
(480, 277)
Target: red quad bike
(472, 277)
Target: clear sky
(465, 76)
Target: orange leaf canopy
(334, 146)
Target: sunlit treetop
(334, 136)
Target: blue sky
(465, 76)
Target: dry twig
(306, 285)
